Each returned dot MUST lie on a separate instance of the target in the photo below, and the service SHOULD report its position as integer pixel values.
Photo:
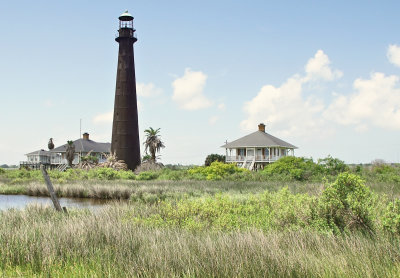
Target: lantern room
(126, 20)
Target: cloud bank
(188, 91)
(291, 110)
(393, 54)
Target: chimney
(261, 127)
(86, 136)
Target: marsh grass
(156, 190)
(38, 242)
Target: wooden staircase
(62, 167)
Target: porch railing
(259, 158)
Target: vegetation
(50, 145)
(70, 152)
(344, 230)
(214, 157)
(153, 142)
(380, 177)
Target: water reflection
(21, 201)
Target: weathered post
(50, 188)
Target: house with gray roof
(57, 157)
(257, 149)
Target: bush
(103, 174)
(2, 171)
(169, 174)
(214, 157)
(391, 218)
(347, 204)
(333, 166)
(126, 175)
(146, 176)
(386, 173)
(216, 171)
(90, 158)
(295, 168)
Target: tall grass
(38, 242)
(137, 190)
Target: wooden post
(50, 187)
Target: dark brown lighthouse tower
(125, 134)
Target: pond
(21, 201)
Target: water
(21, 201)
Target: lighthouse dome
(126, 16)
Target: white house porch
(257, 149)
(259, 157)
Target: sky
(321, 75)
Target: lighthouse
(125, 131)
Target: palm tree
(153, 142)
(70, 152)
(50, 145)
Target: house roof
(258, 139)
(39, 152)
(86, 145)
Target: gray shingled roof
(86, 145)
(39, 152)
(258, 139)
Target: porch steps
(252, 164)
(244, 163)
(62, 167)
(249, 164)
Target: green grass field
(243, 225)
(39, 242)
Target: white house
(57, 157)
(257, 149)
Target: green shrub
(347, 204)
(90, 158)
(295, 168)
(103, 174)
(169, 174)
(126, 175)
(216, 171)
(2, 171)
(391, 217)
(268, 211)
(386, 173)
(146, 176)
(214, 157)
(333, 166)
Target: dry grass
(124, 189)
(38, 242)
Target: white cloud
(188, 90)
(286, 109)
(318, 68)
(393, 54)
(104, 118)
(376, 101)
(148, 90)
(213, 120)
(221, 106)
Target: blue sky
(322, 76)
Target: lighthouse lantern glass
(126, 24)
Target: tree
(333, 166)
(214, 157)
(70, 152)
(153, 142)
(50, 145)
